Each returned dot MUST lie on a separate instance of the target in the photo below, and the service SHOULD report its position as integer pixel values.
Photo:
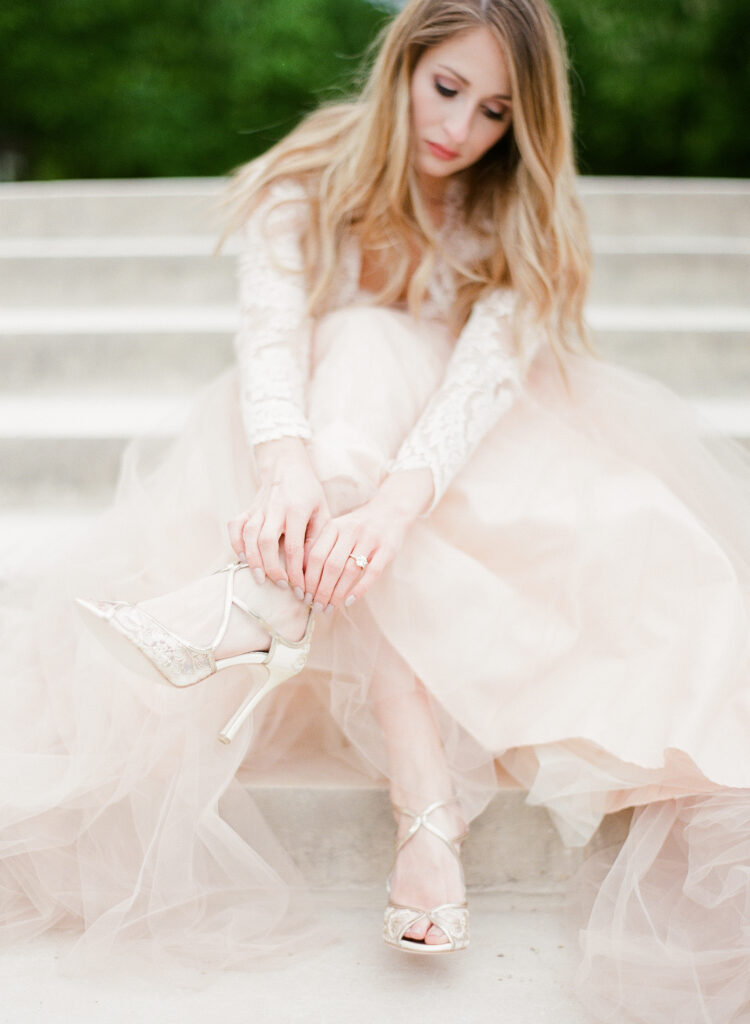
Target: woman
(513, 555)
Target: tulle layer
(667, 932)
(576, 607)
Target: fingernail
(308, 599)
(259, 576)
(350, 600)
(329, 609)
(282, 583)
(298, 593)
(317, 607)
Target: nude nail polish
(329, 609)
(298, 593)
(308, 599)
(317, 607)
(282, 583)
(350, 600)
(259, 576)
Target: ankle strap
(232, 601)
(419, 820)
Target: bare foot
(195, 611)
(426, 873)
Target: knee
(356, 329)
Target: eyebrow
(460, 77)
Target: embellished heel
(142, 642)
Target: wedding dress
(574, 601)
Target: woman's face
(460, 104)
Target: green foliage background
(126, 88)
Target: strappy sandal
(451, 918)
(133, 634)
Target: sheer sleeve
(274, 336)
(483, 377)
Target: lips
(441, 152)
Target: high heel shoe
(451, 918)
(144, 641)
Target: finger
(365, 544)
(315, 526)
(333, 568)
(317, 556)
(294, 550)
(268, 546)
(349, 578)
(379, 561)
(235, 527)
(252, 552)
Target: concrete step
(667, 206)
(96, 208)
(341, 834)
(625, 206)
(174, 350)
(668, 274)
(67, 450)
(694, 351)
(161, 270)
(167, 363)
(518, 968)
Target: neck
(433, 190)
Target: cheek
(422, 103)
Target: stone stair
(114, 312)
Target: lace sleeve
(273, 340)
(482, 379)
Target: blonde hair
(354, 162)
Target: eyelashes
(448, 93)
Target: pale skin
(460, 107)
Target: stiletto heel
(230, 730)
(451, 918)
(146, 642)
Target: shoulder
(278, 208)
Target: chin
(437, 169)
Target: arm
(483, 378)
(273, 340)
(273, 352)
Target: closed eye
(444, 90)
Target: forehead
(477, 57)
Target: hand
(375, 530)
(290, 503)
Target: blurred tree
(126, 88)
(123, 88)
(660, 86)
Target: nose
(458, 123)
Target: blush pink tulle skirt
(576, 607)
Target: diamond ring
(360, 560)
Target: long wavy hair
(354, 160)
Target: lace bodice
(481, 381)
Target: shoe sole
(425, 949)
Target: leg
(426, 873)
(374, 371)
